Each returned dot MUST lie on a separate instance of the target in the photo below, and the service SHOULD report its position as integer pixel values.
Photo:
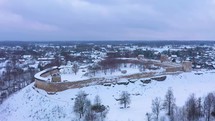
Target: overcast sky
(107, 19)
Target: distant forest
(152, 43)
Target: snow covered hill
(32, 104)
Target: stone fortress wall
(55, 84)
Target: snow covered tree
(75, 68)
(169, 102)
(208, 105)
(125, 99)
(81, 103)
(156, 107)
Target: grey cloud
(113, 19)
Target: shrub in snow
(123, 71)
(58, 112)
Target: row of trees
(111, 65)
(132, 54)
(195, 109)
(14, 78)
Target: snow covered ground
(31, 104)
(68, 75)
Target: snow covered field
(31, 104)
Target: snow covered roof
(26, 56)
(42, 59)
(2, 59)
(174, 56)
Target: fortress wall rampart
(43, 83)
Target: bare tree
(156, 107)
(90, 116)
(180, 114)
(88, 113)
(199, 107)
(80, 103)
(213, 111)
(208, 105)
(97, 100)
(75, 68)
(99, 109)
(192, 108)
(94, 68)
(95, 112)
(57, 61)
(141, 67)
(125, 99)
(8, 68)
(148, 116)
(169, 102)
(32, 72)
